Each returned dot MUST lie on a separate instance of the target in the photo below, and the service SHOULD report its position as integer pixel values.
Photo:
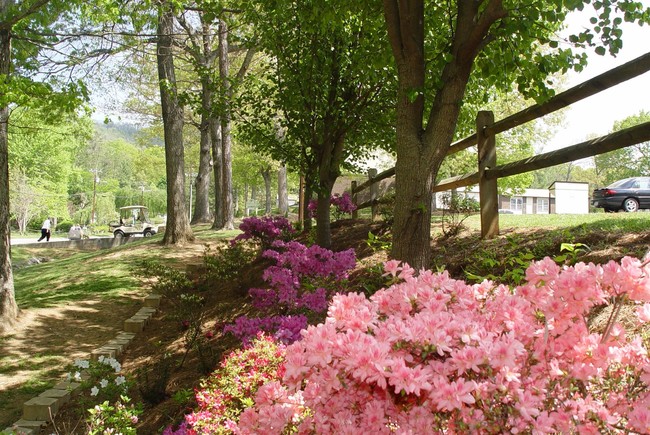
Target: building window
(542, 205)
(516, 204)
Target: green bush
(64, 226)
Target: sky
(596, 115)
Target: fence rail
(488, 173)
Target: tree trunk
(283, 196)
(178, 230)
(323, 231)
(217, 161)
(308, 192)
(202, 205)
(228, 209)
(8, 306)
(420, 151)
(266, 175)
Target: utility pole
(92, 212)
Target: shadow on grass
(98, 286)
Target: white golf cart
(134, 220)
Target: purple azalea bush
(342, 204)
(265, 229)
(302, 279)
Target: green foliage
(625, 162)
(183, 396)
(342, 115)
(455, 209)
(571, 252)
(152, 380)
(168, 281)
(509, 269)
(64, 226)
(118, 417)
(227, 259)
(379, 242)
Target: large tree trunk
(420, 151)
(178, 230)
(8, 307)
(228, 209)
(217, 161)
(202, 204)
(266, 175)
(283, 196)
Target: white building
(562, 197)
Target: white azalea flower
(120, 380)
(94, 391)
(103, 383)
(81, 363)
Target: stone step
(134, 325)
(40, 408)
(153, 300)
(20, 430)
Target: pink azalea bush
(230, 388)
(432, 354)
(301, 281)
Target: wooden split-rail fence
(488, 172)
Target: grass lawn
(596, 221)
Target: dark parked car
(629, 194)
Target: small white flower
(77, 376)
(101, 358)
(94, 391)
(81, 363)
(120, 380)
(103, 383)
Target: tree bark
(283, 196)
(228, 209)
(323, 230)
(217, 162)
(266, 175)
(178, 230)
(8, 306)
(420, 150)
(202, 205)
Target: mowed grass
(68, 275)
(627, 222)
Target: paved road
(19, 241)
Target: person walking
(45, 230)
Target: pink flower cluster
(225, 393)
(432, 354)
(265, 229)
(303, 278)
(342, 204)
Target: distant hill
(118, 130)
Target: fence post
(487, 158)
(353, 190)
(374, 194)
